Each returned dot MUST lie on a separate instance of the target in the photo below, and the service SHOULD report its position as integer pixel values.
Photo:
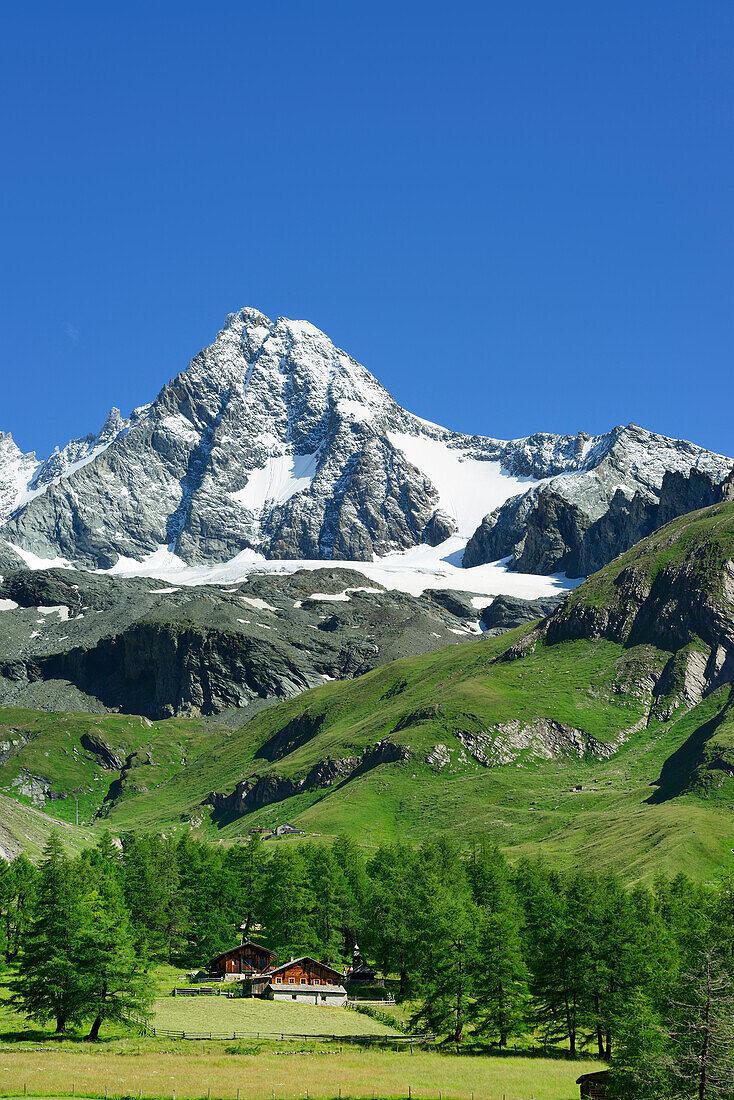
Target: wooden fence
(223, 1036)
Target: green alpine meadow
(602, 736)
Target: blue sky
(519, 216)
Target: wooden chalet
(247, 958)
(305, 980)
(593, 1086)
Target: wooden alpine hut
(247, 959)
(305, 980)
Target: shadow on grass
(677, 773)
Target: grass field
(128, 1064)
(286, 1075)
(220, 1014)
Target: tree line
(485, 952)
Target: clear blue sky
(518, 215)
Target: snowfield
(277, 481)
(469, 488)
(412, 571)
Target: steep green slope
(25, 829)
(604, 736)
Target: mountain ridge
(276, 443)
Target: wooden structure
(247, 958)
(305, 980)
(361, 972)
(594, 1085)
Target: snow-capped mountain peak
(277, 443)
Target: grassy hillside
(26, 829)
(605, 738)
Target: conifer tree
(395, 910)
(48, 985)
(112, 973)
(501, 1002)
(555, 942)
(17, 882)
(640, 1068)
(244, 868)
(287, 902)
(356, 897)
(701, 1032)
(446, 962)
(328, 888)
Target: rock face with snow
(274, 441)
(630, 484)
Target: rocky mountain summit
(274, 442)
(566, 525)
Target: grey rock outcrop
(541, 739)
(507, 612)
(577, 525)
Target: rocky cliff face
(250, 794)
(274, 441)
(71, 640)
(506, 612)
(675, 591)
(576, 526)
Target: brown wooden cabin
(303, 979)
(594, 1085)
(247, 958)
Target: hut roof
(248, 943)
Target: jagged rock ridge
(577, 525)
(275, 441)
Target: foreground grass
(220, 1014)
(318, 1073)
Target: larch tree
(48, 985)
(112, 971)
(500, 1008)
(701, 1032)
